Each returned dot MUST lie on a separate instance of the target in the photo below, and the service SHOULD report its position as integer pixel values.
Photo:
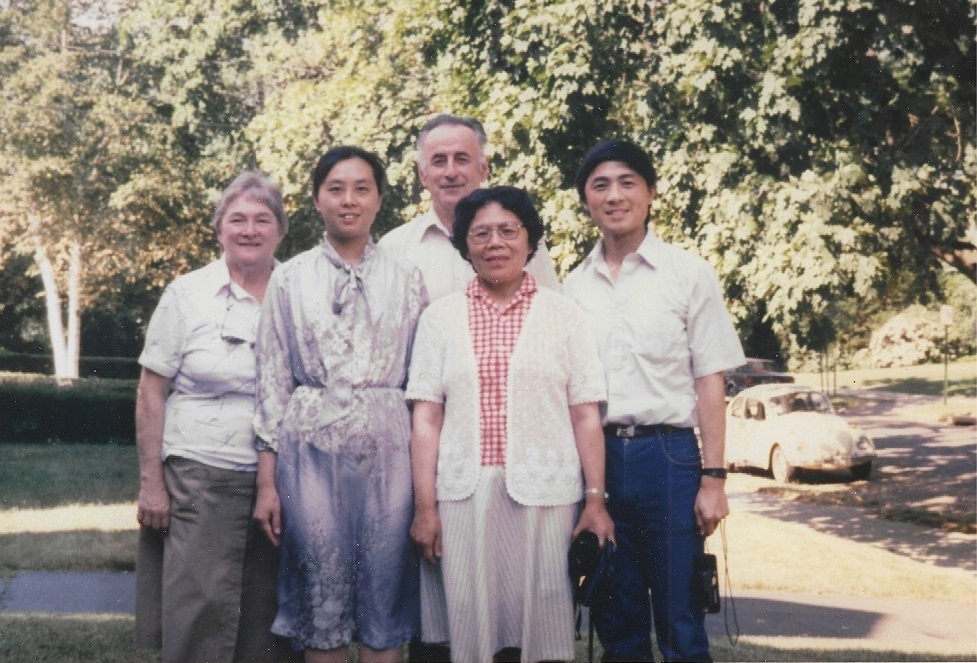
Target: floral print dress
(333, 347)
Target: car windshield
(802, 401)
(759, 365)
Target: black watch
(716, 472)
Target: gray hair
(258, 187)
(447, 120)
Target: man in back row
(451, 163)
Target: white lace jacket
(555, 364)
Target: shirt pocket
(658, 337)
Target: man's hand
(711, 505)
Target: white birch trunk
(73, 341)
(64, 348)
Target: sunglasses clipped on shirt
(231, 334)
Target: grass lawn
(48, 475)
(108, 639)
(926, 379)
(71, 507)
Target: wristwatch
(715, 472)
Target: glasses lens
(484, 234)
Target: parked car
(754, 372)
(785, 427)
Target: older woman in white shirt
(506, 382)
(205, 578)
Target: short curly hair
(509, 198)
(256, 186)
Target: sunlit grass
(925, 379)
(770, 555)
(106, 517)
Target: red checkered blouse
(494, 333)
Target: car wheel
(781, 470)
(861, 472)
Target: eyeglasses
(234, 336)
(506, 232)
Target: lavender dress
(333, 346)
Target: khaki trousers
(206, 588)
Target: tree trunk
(73, 350)
(65, 349)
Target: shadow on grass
(48, 475)
(82, 639)
(82, 550)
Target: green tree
(811, 149)
(92, 186)
(814, 151)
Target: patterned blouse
(333, 346)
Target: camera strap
(730, 600)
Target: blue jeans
(652, 482)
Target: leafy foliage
(819, 153)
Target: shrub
(122, 368)
(37, 408)
(907, 339)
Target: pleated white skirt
(505, 581)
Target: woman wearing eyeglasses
(205, 577)
(505, 382)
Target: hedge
(37, 408)
(121, 368)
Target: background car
(785, 427)
(753, 372)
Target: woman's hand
(425, 435)
(268, 513)
(596, 519)
(267, 505)
(154, 501)
(154, 505)
(426, 533)
(589, 437)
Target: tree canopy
(816, 152)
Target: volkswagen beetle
(785, 427)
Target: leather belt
(618, 430)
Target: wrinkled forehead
(449, 140)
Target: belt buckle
(625, 431)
